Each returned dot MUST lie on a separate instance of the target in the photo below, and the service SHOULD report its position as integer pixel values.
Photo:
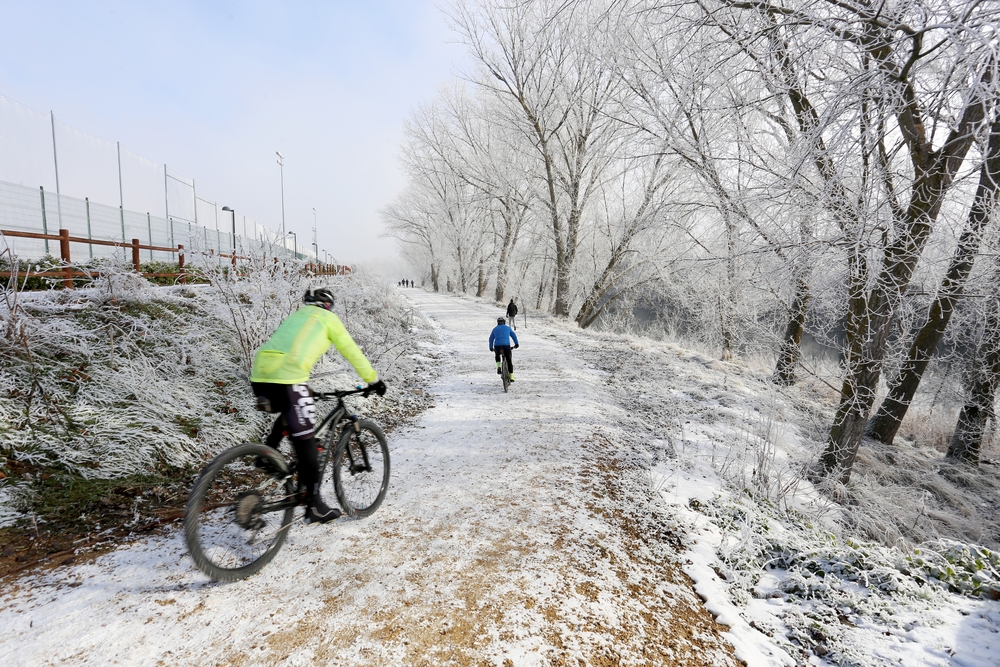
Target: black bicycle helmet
(501, 320)
(320, 296)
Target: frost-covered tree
(545, 65)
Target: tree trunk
(434, 278)
(499, 294)
(981, 385)
(462, 285)
(727, 334)
(481, 281)
(592, 305)
(552, 290)
(790, 350)
(561, 283)
(541, 292)
(885, 424)
(512, 226)
(728, 307)
(872, 312)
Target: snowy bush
(124, 377)
(962, 568)
(112, 379)
(831, 584)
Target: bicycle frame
(336, 416)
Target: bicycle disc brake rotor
(246, 510)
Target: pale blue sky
(213, 89)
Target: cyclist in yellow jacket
(280, 372)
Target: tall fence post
(64, 256)
(149, 227)
(90, 246)
(135, 255)
(45, 220)
(55, 162)
(180, 263)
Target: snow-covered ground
(578, 519)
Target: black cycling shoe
(498, 370)
(267, 465)
(318, 512)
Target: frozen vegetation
(795, 204)
(548, 523)
(125, 378)
(901, 564)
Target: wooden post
(180, 263)
(135, 256)
(64, 256)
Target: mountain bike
(243, 503)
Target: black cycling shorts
(295, 403)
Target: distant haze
(214, 89)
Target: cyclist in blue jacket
(500, 339)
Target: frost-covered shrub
(830, 584)
(962, 568)
(112, 379)
(816, 562)
(123, 376)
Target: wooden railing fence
(68, 273)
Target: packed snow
(586, 517)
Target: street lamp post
(295, 244)
(315, 244)
(281, 165)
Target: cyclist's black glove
(516, 346)
(378, 387)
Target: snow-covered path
(510, 536)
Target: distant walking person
(500, 339)
(512, 313)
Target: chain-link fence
(53, 176)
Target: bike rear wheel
(239, 511)
(361, 469)
(505, 374)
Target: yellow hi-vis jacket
(298, 343)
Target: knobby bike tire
(222, 517)
(505, 374)
(360, 491)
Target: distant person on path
(500, 339)
(512, 313)
(279, 379)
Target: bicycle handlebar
(326, 395)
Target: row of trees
(744, 170)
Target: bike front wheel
(361, 469)
(239, 511)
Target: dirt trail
(512, 535)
